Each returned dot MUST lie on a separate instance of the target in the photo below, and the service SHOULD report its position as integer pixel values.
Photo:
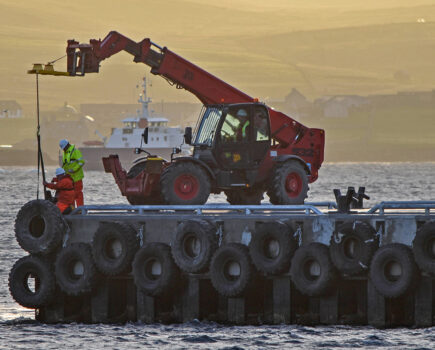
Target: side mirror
(188, 135)
(145, 135)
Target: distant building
(10, 109)
(297, 105)
(340, 106)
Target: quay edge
(308, 264)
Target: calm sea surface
(18, 330)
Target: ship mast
(144, 100)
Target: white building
(10, 109)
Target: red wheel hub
(293, 185)
(186, 186)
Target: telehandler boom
(240, 146)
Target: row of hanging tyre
(199, 246)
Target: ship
(123, 141)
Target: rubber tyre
(39, 227)
(136, 169)
(393, 286)
(251, 196)
(225, 283)
(194, 244)
(41, 270)
(184, 183)
(76, 255)
(275, 235)
(423, 247)
(312, 270)
(287, 177)
(154, 256)
(113, 247)
(352, 247)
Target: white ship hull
(93, 156)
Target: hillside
(264, 49)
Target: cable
(51, 62)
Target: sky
(264, 48)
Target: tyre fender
(113, 247)
(312, 270)
(352, 247)
(386, 263)
(231, 270)
(193, 245)
(75, 269)
(41, 270)
(272, 246)
(154, 270)
(423, 247)
(39, 227)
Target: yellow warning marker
(47, 69)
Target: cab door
(260, 137)
(243, 137)
(233, 138)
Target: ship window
(166, 138)
(157, 138)
(124, 139)
(152, 138)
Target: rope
(57, 59)
(38, 138)
(37, 132)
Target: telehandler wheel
(289, 184)
(185, 183)
(136, 169)
(244, 196)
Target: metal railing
(402, 205)
(307, 208)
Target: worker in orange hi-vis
(72, 163)
(65, 194)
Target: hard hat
(63, 143)
(60, 171)
(242, 113)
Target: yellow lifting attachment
(47, 69)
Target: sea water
(18, 330)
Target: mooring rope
(38, 138)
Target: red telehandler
(240, 146)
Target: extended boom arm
(288, 133)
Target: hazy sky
(262, 47)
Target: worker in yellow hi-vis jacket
(72, 163)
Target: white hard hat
(60, 171)
(63, 143)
